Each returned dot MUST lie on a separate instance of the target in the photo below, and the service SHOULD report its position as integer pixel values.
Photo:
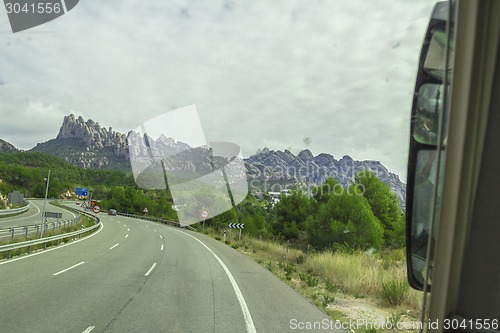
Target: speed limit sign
(96, 209)
(204, 214)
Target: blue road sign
(82, 191)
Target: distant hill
(25, 171)
(7, 147)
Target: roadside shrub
(394, 291)
(327, 299)
(310, 280)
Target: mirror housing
(427, 146)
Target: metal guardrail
(155, 219)
(12, 211)
(30, 243)
(34, 229)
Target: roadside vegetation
(348, 285)
(25, 172)
(343, 248)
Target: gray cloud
(261, 73)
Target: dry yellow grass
(274, 250)
(363, 274)
(359, 274)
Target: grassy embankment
(348, 285)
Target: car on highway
(112, 212)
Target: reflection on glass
(427, 183)
(435, 60)
(427, 116)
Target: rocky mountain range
(283, 167)
(90, 145)
(7, 147)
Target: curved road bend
(34, 215)
(139, 276)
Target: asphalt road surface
(34, 215)
(140, 276)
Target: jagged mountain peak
(88, 132)
(278, 167)
(87, 144)
(7, 147)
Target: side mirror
(427, 146)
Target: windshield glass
(162, 162)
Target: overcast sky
(329, 75)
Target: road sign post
(44, 203)
(204, 215)
(236, 226)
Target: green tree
(346, 219)
(253, 214)
(321, 193)
(292, 212)
(385, 206)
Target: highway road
(34, 215)
(140, 276)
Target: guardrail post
(37, 229)
(11, 232)
(53, 225)
(25, 231)
(47, 239)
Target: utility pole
(47, 180)
(89, 205)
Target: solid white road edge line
(67, 269)
(54, 248)
(244, 308)
(150, 270)
(89, 329)
(24, 217)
